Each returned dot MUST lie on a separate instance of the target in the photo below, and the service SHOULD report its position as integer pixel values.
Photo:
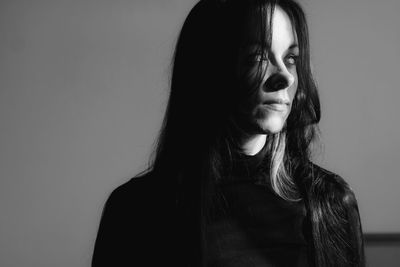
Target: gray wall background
(83, 87)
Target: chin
(271, 125)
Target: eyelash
(292, 56)
(257, 58)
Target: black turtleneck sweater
(252, 228)
(142, 226)
(256, 227)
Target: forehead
(279, 29)
(283, 34)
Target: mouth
(277, 101)
(276, 106)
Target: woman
(231, 183)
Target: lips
(280, 105)
(276, 107)
(276, 101)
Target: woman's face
(266, 111)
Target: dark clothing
(139, 225)
(258, 229)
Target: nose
(279, 80)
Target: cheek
(251, 76)
(249, 83)
(293, 89)
(251, 72)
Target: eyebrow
(291, 47)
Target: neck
(251, 145)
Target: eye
(260, 57)
(291, 59)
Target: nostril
(281, 84)
(277, 82)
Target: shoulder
(136, 221)
(140, 199)
(141, 189)
(135, 188)
(333, 206)
(322, 182)
(135, 184)
(127, 200)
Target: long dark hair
(198, 136)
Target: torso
(257, 228)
